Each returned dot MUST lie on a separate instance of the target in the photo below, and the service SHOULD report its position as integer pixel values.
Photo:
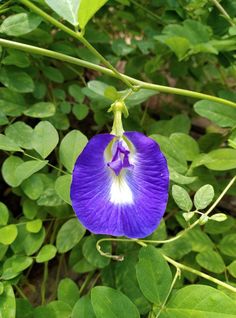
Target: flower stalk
(118, 109)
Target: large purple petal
(131, 204)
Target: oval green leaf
(153, 274)
(69, 235)
(42, 143)
(111, 303)
(71, 146)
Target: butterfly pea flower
(120, 183)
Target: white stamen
(120, 192)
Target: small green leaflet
(76, 12)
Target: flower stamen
(120, 157)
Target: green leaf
(232, 140)
(49, 197)
(14, 265)
(219, 217)
(232, 269)
(199, 240)
(188, 216)
(203, 219)
(1, 288)
(27, 168)
(71, 146)
(33, 186)
(33, 241)
(11, 103)
(139, 97)
(41, 110)
(8, 234)
(178, 45)
(30, 209)
(34, 226)
(92, 255)
(59, 309)
(188, 147)
(62, 187)
(69, 235)
(204, 196)
(222, 115)
(21, 134)
(153, 274)
(87, 8)
(214, 227)
(228, 245)
(44, 311)
(179, 178)
(220, 159)
(96, 90)
(173, 156)
(194, 31)
(24, 309)
(9, 168)
(83, 308)
(46, 253)
(41, 141)
(20, 24)
(177, 249)
(182, 198)
(67, 9)
(8, 144)
(68, 291)
(121, 48)
(17, 58)
(8, 302)
(179, 123)
(16, 81)
(199, 301)
(76, 92)
(124, 278)
(111, 303)
(4, 214)
(111, 93)
(211, 261)
(77, 261)
(80, 111)
(3, 119)
(53, 74)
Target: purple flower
(120, 185)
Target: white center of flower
(120, 192)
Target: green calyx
(118, 108)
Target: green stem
(106, 63)
(20, 292)
(198, 273)
(86, 281)
(77, 73)
(224, 13)
(49, 164)
(44, 282)
(76, 35)
(149, 12)
(108, 255)
(141, 84)
(196, 222)
(168, 259)
(177, 275)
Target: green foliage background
(49, 264)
